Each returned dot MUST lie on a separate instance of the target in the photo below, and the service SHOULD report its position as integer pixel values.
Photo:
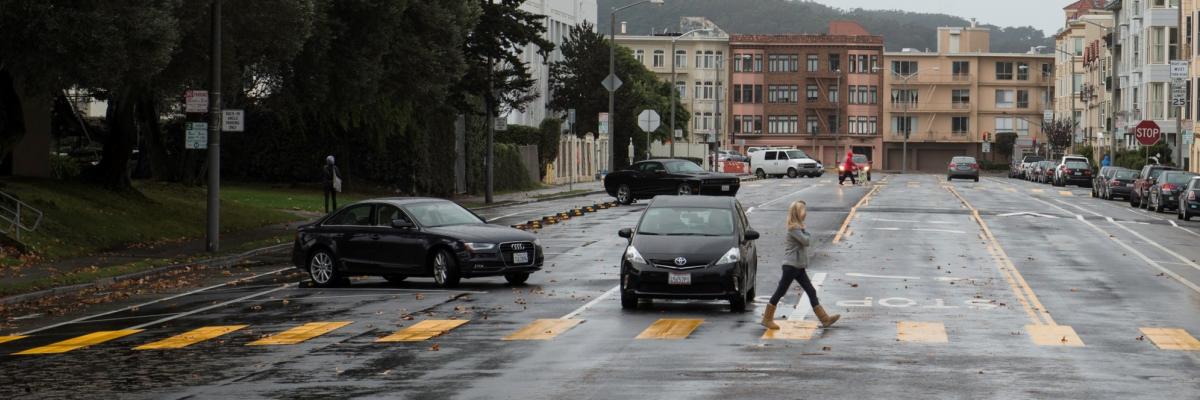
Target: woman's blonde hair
(796, 215)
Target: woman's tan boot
(769, 317)
(826, 319)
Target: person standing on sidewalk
(331, 180)
(795, 265)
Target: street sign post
(987, 147)
(1189, 137)
(571, 116)
(1147, 133)
(649, 121)
(1179, 69)
(501, 124)
(678, 133)
(195, 101)
(611, 83)
(196, 137)
(1048, 116)
(603, 124)
(233, 120)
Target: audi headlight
(537, 242)
(479, 246)
(732, 256)
(632, 255)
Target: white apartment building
(1147, 36)
(561, 15)
(1083, 92)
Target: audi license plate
(679, 278)
(521, 258)
(1128, 185)
(724, 188)
(1077, 174)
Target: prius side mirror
(752, 235)
(625, 233)
(402, 224)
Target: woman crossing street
(795, 265)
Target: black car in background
(1100, 179)
(1072, 171)
(1189, 200)
(1164, 194)
(1119, 183)
(690, 247)
(646, 179)
(399, 238)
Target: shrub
(64, 167)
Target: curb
(547, 198)
(221, 262)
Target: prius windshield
(687, 221)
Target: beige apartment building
(700, 65)
(950, 102)
(1082, 74)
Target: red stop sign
(1147, 133)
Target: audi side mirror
(402, 224)
(752, 235)
(625, 233)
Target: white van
(789, 162)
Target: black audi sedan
(646, 179)
(690, 247)
(397, 238)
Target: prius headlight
(732, 256)
(632, 255)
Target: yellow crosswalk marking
(923, 332)
(670, 329)
(1010, 190)
(423, 330)
(1172, 339)
(544, 329)
(90, 339)
(299, 333)
(187, 339)
(1037, 190)
(792, 330)
(1054, 335)
(1066, 193)
(6, 339)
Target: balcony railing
(960, 105)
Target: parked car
(1100, 179)
(1119, 184)
(1164, 194)
(1147, 178)
(864, 164)
(1189, 200)
(690, 247)
(397, 238)
(730, 155)
(791, 163)
(963, 167)
(1072, 171)
(646, 179)
(1021, 167)
(1044, 171)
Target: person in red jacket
(848, 170)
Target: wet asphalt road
(946, 290)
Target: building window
(960, 98)
(904, 67)
(834, 125)
(640, 55)
(709, 60)
(681, 58)
(1076, 83)
(960, 125)
(782, 124)
(758, 94)
(872, 126)
(874, 94)
(1005, 99)
(699, 90)
(905, 96)
(1022, 99)
(833, 95)
(719, 60)
(659, 58)
(874, 64)
(853, 99)
(835, 62)
(853, 64)
(699, 59)
(1022, 71)
(1004, 124)
(1004, 71)
(1078, 43)
(1156, 101)
(709, 91)
(1022, 126)
(812, 93)
(960, 70)
(903, 126)
(814, 63)
(681, 87)
(1172, 43)
(811, 125)
(758, 63)
(708, 121)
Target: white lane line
(1081, 208)
(509, 215)
(1130, 249)
(1110, 219)
(778, 199)
(914, 222)
(589, 304)
(402, 290)
(885, 229)
(134, 307)
(210, 307)
(937, 230)
(915, 278)
(818, 280)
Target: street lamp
(674, 88)
(612, 72)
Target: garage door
(935, 160)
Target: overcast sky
(1046, 15)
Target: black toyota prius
(398, 238)
(690, 247)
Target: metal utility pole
(837, 112)
(490, 157)
(612, 72)
(717, 114)
(214, 136)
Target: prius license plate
(1128, 185)
(679, 278)
(724, 188)
(521, 258)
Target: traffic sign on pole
(603, 124)
(1179, 69)
(612, 83)
(648, 120)
(196, 136)
(233, 120)
(195, 101)
(1147, 133)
